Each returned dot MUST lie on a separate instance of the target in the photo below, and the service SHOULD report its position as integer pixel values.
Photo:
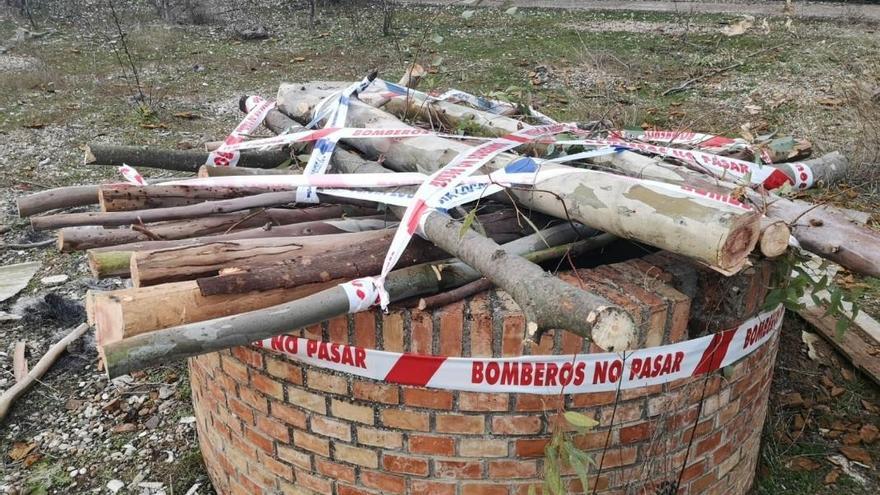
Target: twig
(32, 245)
(684, 85)
(42, 366)
(457, 294)
(147, 232)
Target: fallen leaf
(154, 126)
(753, 109)
(798, 424)
(73, 404)
(868, 434)
(810, 340)
(857, 454)
(869, 406)
(20, 450)
(837, 391)
(299, 59)
(831, 101)
(793, 399)
(34, 125)
(124, 428)
(187, 115)
(803, 464)
(31, 459)
(851, 439)
(831, 477)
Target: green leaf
(580, 420)
(467, 14)
(578, 461)
(822, 283)
(511, 11)
(855, 310)
(840, 327)
(532, 490)
(466, 223)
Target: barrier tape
(496, 107)
(225, 155)
(803, 175)
(719, 166)
(543, 374)
(706, 142)
(132, 175)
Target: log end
(613, 329)
(89, 157)
(739, 243)
(774, 239)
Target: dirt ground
(77, 432)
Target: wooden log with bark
(210, 171)
(718, 235)
(130, 197)
(115, 261)
(181, 160)
(82, 238)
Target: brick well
(271, 425)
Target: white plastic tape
(803, 175)
(361, 294)
(131, 175)
(544, 375)
(225, 156)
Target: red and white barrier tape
(131, 175)
(225, 155)
(544, 375)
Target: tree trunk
(182, 160)
(205, 260)
(347, 262)
(82, 238)
(115, 261)
(60, 197)
(129, 197)
(125, 313)
(162, 346)
(210, 171)
(821, 229)
(646, 211)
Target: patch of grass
(778, 479)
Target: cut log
(346, 262)
(129, 197)
(821, 229)
(205, 260)
(827, 169)
(209, 171)
(163, 346)
(82, 238)
(182, 160)
(14, 392)
(775, 235)
(60, 197)
(125, 313)
(115, 261)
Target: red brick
(375, 392)
(531, 447)
(478, 401)
(481, 325)
(295, 457)
(512, 334)
(331, 428)
(405, 465)
(693, 471)
(379, 438)
(352, 412)
(708, 444)
(483, 489)
(425, 444)
(312, 443)
(275, 429)
(516, 425)
(242, 410)
(365, 329)
(308, 400)
(636, 433)
(386, 483)
(593, 440)
(424, 487)
(392, 332)
(248, 356)
(618, 457)
(405, 420)
(277, 468)
(433, 399)
(355, 455)
(700, 485)
(624, 412)
(259, 440)
(531, 402)
(253, 399)
(326, 382)
(458, 423)
(507, 469)
(312, 482)
(421, 332)
(451, 327)
(458, 469)
(284, 370)
(337, 330)
(334, 470)
(482, 447)
(343, 489)
(234, 369)
(289, 415)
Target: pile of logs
(214, 265)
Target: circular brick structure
(268, 424)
